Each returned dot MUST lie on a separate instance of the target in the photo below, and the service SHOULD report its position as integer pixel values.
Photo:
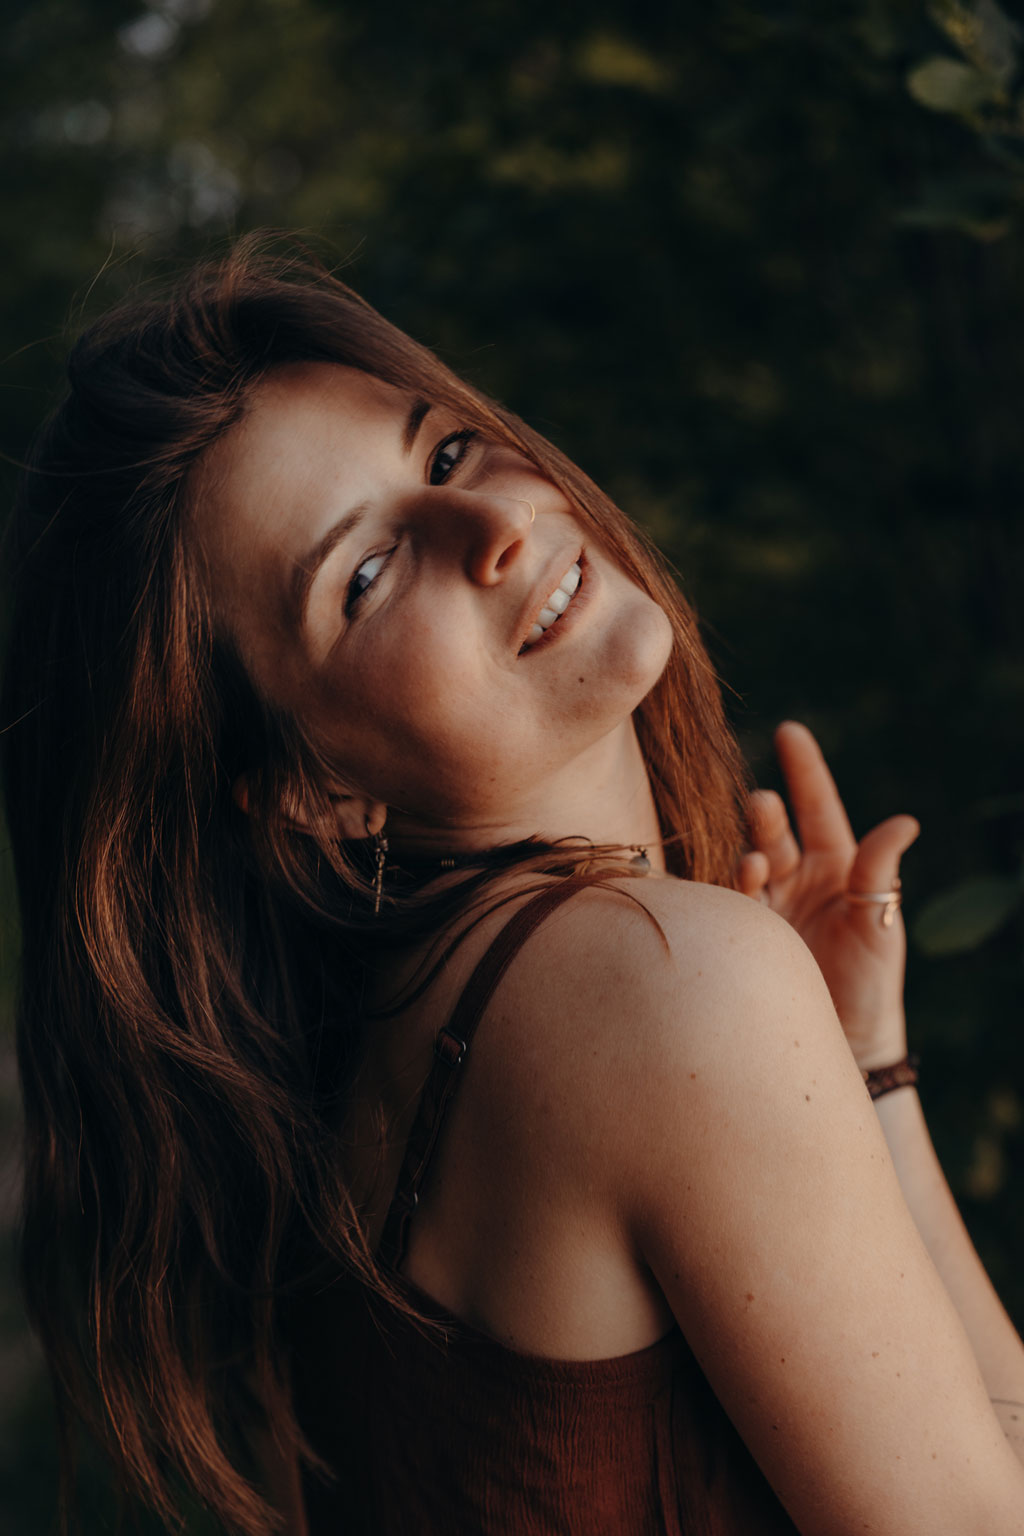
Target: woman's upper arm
(759, 1189)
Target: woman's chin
(637, 649)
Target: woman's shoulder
(640, 986)
(690, 915)
(731, 1134)
(651, 943)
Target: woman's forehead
(319, 400)
(309, 430)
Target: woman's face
(381, 573)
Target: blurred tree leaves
(967, 914)
(983, 89)
(990, 42)
(946, 86)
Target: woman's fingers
(877, 864)
(771, 833)
(752, 875)
(822, 824)
(821, 818)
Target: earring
(380, 855)
(641, 863)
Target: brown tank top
(442, 1431)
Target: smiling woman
(342, 715)
(413, 653)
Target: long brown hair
(188, 1014)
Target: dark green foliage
(756, 265)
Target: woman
(356, 746)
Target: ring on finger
(890, 901)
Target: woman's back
(512, 1233)
(444, 1428)
(694, 1130)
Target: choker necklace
(423, 866)
(410, 869)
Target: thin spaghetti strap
(450, 1048)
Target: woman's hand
(807, 883)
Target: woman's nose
(488, 532)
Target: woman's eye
(363, 580)
(449, 455)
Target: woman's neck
(604, 795)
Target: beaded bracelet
(902, 1074)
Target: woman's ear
(240, 793)
(355, 815)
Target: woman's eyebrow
(304, 571)
(419, 412)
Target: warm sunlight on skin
(409, 662)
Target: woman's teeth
(556, 604)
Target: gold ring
(533, 509)
(889, 901)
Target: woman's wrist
(879, 1045)
(897, 1074)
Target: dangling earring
(380, 854)
(641, 863)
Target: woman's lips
(568, 618)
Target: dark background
(757, 266)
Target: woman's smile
(572, 592)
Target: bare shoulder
(656, 1010)
(701, 1081)
(690, 922)
(681, 961)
